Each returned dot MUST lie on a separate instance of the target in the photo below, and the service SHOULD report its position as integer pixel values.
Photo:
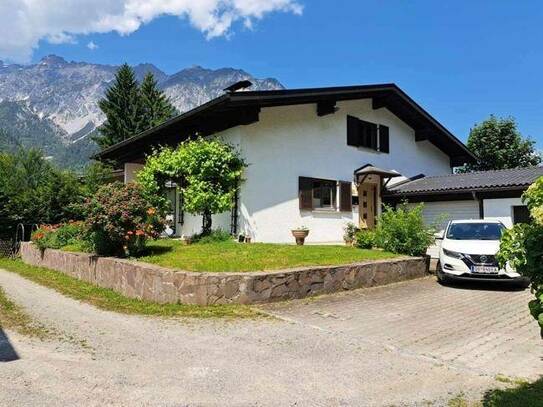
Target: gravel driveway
(414, 343)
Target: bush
(119, 220)
(217, 235)
(403, 231)
(58, 236)
(522, 249)
(364, 239)
(350, 232)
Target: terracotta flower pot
(300, 235)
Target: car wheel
(441, 278)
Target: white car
(468, 252)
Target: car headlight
(454, 255)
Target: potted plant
(350, 232)
(300, 234)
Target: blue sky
(461, 60)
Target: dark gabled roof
(499, 180)
(238, 108)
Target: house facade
(317, 158)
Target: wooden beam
(378, 102)
(326, 107)
(423, 134)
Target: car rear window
(475, 231)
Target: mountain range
(53, 104)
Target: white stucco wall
(501, 209)
(130, 171)
(292, 141)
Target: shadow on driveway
(7, 352)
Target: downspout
(481, 205)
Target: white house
(317, 157)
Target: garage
(492, 195)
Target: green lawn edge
(109, 300)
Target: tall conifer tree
(157, 107)
(122, 107)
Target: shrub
(522, 249)
(350, 232)
(58, 236)
(364, 239)
(120, 219)
(217, 235)
(403, 231)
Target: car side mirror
(439, 235)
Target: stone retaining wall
(142, 280)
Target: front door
(367, 195)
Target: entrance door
(367, 194)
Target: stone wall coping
(240, 273)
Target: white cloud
(25, 22)
(92, 45)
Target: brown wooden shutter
(345, 196)
(384, 143)
(353, 131)
(305, 193)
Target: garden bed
(137, 279)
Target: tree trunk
(206, 223)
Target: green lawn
(107, 299)
(232, 256)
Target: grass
(14, 318)
(109, 300)
(521, 393)
(232, 256)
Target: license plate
(484, 270)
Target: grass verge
(231, 256)
(14, 318)
(109, 300)
(521, 393)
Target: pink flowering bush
(119, 219)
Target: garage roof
(510, 179)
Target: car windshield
(475, 231)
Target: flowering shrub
(58, 236)
(120, 219)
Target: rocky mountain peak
(53, 60)
(63, 96)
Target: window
(521, 214)
(324, 194)
(315, 193)
(361, 133)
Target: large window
(315, 194)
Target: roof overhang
(368, 169)
(242, 108)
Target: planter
(349, 242)
(300, 235)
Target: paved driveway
(413, 343)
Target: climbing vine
(208, 172)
